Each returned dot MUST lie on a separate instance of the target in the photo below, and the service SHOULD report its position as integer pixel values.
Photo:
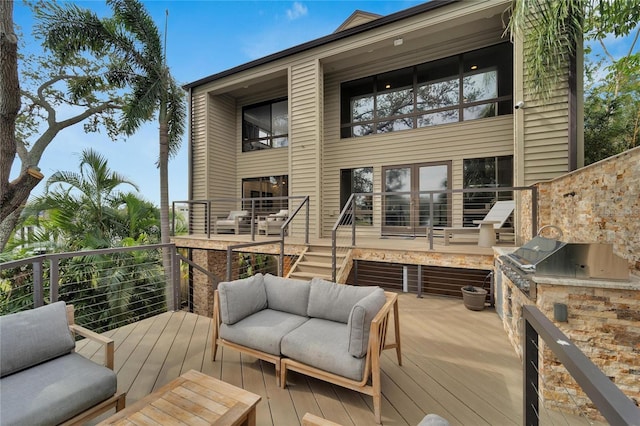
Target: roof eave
(384, 20)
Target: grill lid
(535, 251)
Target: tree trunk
(163, 165)
(7, 227)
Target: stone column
(215, 262)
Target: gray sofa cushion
(287, 295)
(263, 330)
(241, 298)
(55, 391)
(323, 344)
(360, 319)
(34, 336)
(333, 301)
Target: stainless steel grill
(549, 257)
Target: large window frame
(358, 180)
(472, 85)
(485, 172)
(265, 125)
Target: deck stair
(316, 262)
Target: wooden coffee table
(193, 399)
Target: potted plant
(474, 297)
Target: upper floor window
(469, 86)
(265, 125)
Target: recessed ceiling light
(398, 41)
(388, 86)
(474, 67)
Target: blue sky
(203, 38)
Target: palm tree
(81, 207)
(132, 35)
(553, 29)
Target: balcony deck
(456, 363)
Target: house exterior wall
(536, 136)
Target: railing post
(253, 219)
(430, 223)
(229, 263)
(534, 211)
(419, 281)
(333, 255)
(207, 218)
(530, 375)
(38, 290)
(176, 279)
(353, 220)
(281, 262)
(54, 277)
(306, 238)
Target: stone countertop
(632, 284)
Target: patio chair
(499, 214)
(273, 222)
(232, 222)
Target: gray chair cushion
(323, 344)
(55, 391)
(263, 330)
(241, 298)
(333, 301)
(360, 319)
(433, 420)
(30, 337)
(287, 295)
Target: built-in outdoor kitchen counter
(587, 291)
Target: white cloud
(297, 10)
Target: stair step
(315, 264)
(309, 275)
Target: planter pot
(474, 300)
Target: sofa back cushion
(30, 337)
(287, 295)
(331, 301)
(241, 298)
(360, 319)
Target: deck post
(530, 375)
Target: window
(470, 86)
(265, 126)
(358, 181)
(489, 172)
(266, 187)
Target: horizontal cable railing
(252, 216)
(610, 401)
(411, 214)
(109, 288)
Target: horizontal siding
(198, 172)
(305, 136)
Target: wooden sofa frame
(118, 400)
(377, 343)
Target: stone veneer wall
(605, 324)
(598, 203)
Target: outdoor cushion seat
(232, 222)
(55, 391)
(273, 222)
(330, 331)
(263, 330)
(323, 344)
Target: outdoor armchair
(232, 222)
(273, 222)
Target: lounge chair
(499, 214)
(273, 222)
(233, 222)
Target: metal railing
(205, 217)
(612, 403)
(419, 213)
(108, 287)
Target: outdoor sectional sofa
(43, 381)
(334, 332)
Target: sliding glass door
(405, 210)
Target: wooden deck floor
(456, 363)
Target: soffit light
(398, 41)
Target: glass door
(405, 210)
